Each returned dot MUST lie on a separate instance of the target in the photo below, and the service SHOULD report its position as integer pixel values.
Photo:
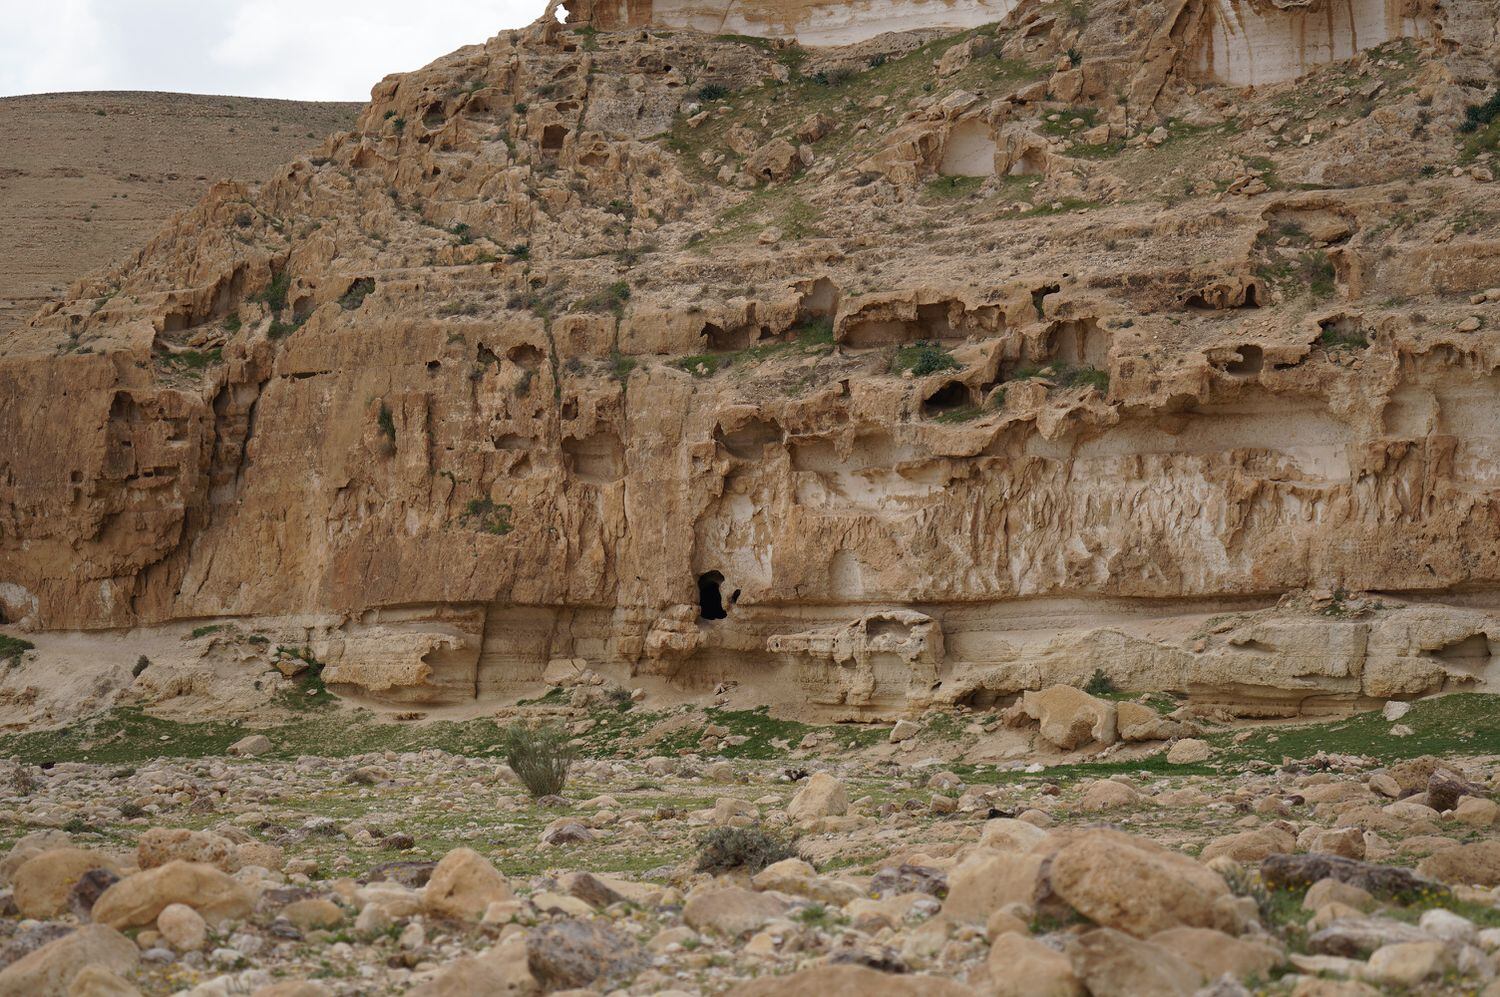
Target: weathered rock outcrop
(992, 390)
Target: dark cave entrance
(710, 599)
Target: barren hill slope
(86, 178)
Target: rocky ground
(702, 851)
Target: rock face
(447, 401)
(811, 22)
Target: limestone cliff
(934, 368)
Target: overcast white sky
(301, 49)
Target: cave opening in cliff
(950, 397)
(710, 598)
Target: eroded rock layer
(929, 370)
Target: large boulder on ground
(44, 881)
(161, 845)
(463, 885)
(1113, 964)
(1382, 881)
(50, 969)
(249, 747)
(731, 911)
(1107, 794)
(1020, 966)
(1250, 846)
(573, 954)
(988, 880)
(1189, 751)
(1134, 885)
(850, 981)
(1476, 864)
(823, 796)
(1070, 717)
(503, 969)
(96, 981)
(29, 845)
(136, 901)
(1214, 953)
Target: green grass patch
(922, 359)
(11, 649)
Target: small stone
(182, 927)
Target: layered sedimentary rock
(811, 22)
(1035, 356)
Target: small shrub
(11, 649)
(1100, 685)
(232, 324)
(749, 848)
(201, 632)
(274, 296)
(399, 124)
(141, 664)
(387, 421)
(1476, 116)
(1076, 13)
(489, 516)
(923, 359)
(620, 365)
(540, 757)
(1075, 57)
(130, 810)
(833, 77)
(520, 251)
(712, 91)
(464, 235)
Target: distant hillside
(86, 178)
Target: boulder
(1381, 881)
(1070, 717)
(249, 747)
(572, 954)
(503, 969)
(1250, 846)
(96, 981)
(850, 981)
(730, 910)
(1476, 864)
(1214, 953)
(1113, 964)
(137, 900)
(1141, 723)
(313, 913)
(988, 880)
(1107, 794)
(29, 845)
(53, 967)
(1327, 891)
(1189, 751)
(1023, 967)
(463, 885)
(161, 845)
(1009, 834)
(1407, 964)
(1134, 885)
(823, 796)
(182, 927)
(43, 882)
